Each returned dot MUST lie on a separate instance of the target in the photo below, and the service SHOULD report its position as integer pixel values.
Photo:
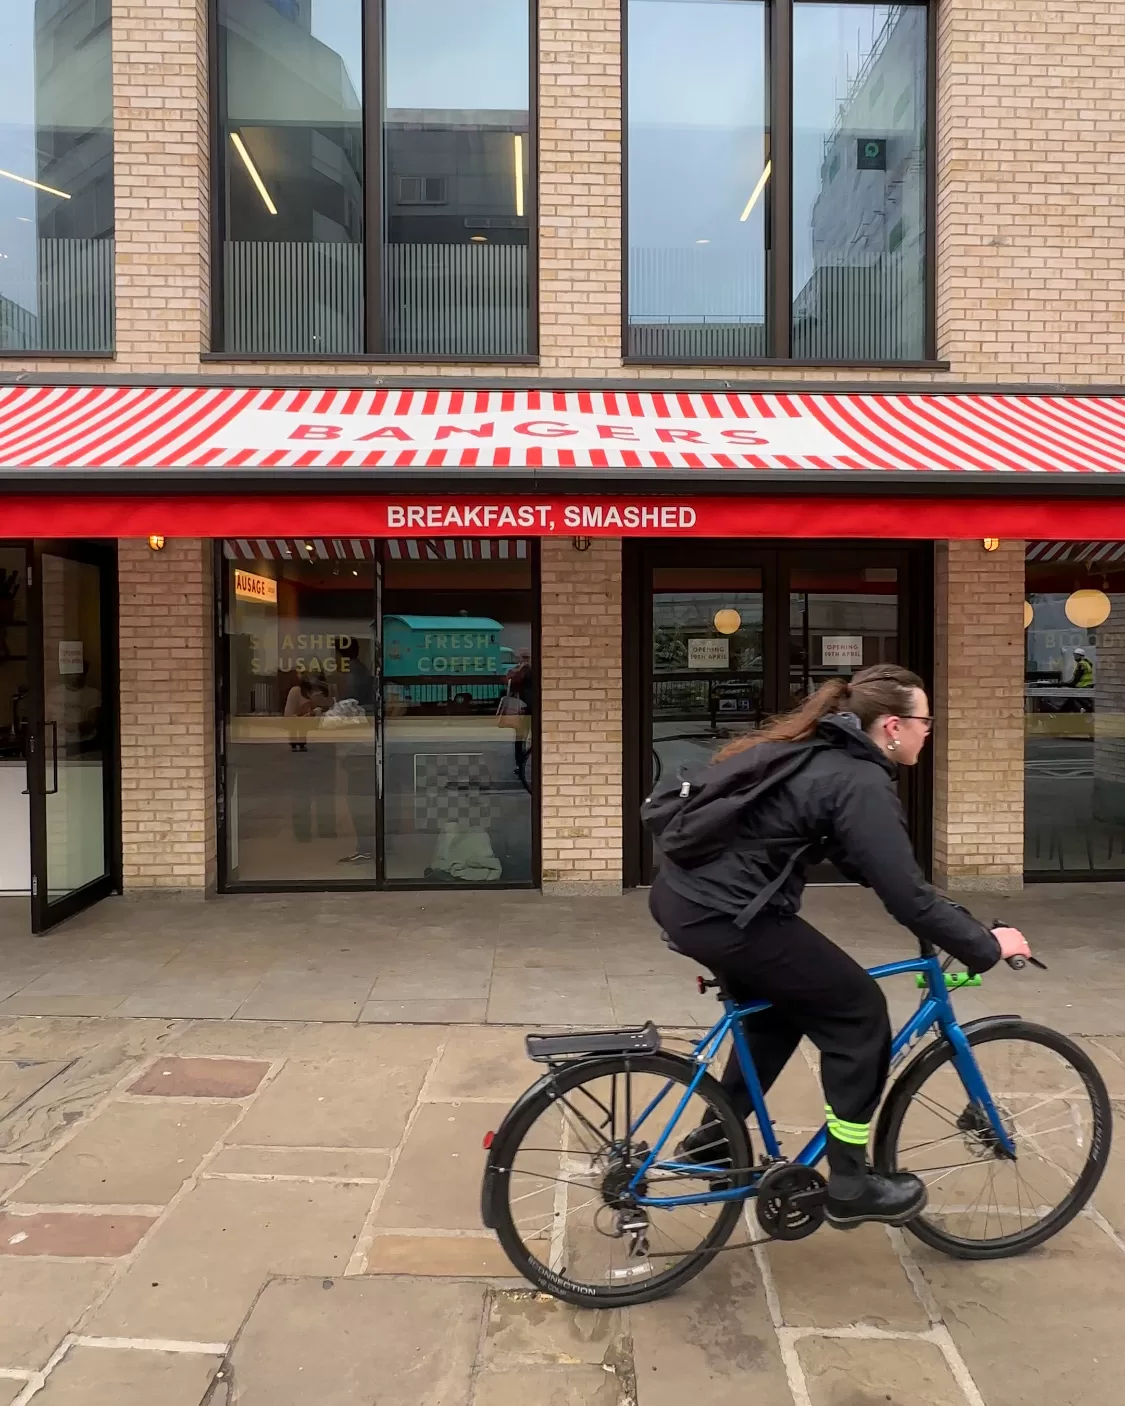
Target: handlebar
(1018, 964)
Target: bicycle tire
(913, 1080)
(666, 1066)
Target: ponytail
(884, 690)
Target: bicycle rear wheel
(562, 1207)
(1054, 1105)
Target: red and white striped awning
(50, 430)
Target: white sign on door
(842, 651)
(71, 656)
(708, 654)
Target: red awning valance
(199, 430)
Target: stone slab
(523, 1326)
(439, 1256)
(445, 1012)
(334, 1103)
(549, 1386)
(436, 1181)
(1045, 1327)
(198, 1275)
(397, 1046)
(72, 1233)
(32, 1002)
(341, 1342)
(10, 1388)
(31, 1128)
(1109, 1056)
(130, 1154)
(487, 1063)
(836, 1278)
(338, 1164)
(10, 1173)
(710, 1344)
(99, 1376)
(43, 1301)
(840, 1372)
(290, 996)
(179, 1077)
(21, 1079)
(252, 1039)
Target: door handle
(53, 790)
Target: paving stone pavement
(205, 1213)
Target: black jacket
(844, 800)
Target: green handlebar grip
(953, 980)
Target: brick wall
(978, 702)
(1031, 254)
(580, 691)
(167, 717)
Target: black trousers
(816, 989)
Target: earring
(893, 745)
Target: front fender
(931, 1055)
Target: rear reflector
(488, 1141)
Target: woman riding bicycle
(734, 908)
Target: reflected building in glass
(56, 186)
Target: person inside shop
(308, 698)
(820, 783)
(356, 684)
(1083, 677)
(517, 707)
(74, 705)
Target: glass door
(72, 744)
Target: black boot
(706, 1146)
(891, 1199)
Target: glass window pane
(1074, 709)
(707, 662)
(459, 708)
(840, 621)
(698, 179)
(291, 173)
(300, 726)
(859, 181)
(458, 191)
(56, 177)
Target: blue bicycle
(1007, 1122)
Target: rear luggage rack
(552, 1049)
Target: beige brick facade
(580, 689)
(1030, 287)
(167, 717)
(978, 701)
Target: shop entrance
(730, 633)
(59, 825)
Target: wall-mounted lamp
(156, 543)
(991, 544)
(580, 544)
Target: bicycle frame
(934, 1010)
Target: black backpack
(694, 818)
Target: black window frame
(373, 207)
(779, 209)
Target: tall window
(290, 132)
(376, 178)
(1074, 710)
(777, 180)
(56, 177)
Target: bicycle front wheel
(565, 1213)
(984, 1204)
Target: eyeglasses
(920, 718)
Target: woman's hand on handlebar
(1012, 943)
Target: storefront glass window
(699, 174)
(300, 722)
(437, 693)
(56, 177)
(859, 166)
(458, 187)
(1074, 709)
(460, 711)
(290, 116)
